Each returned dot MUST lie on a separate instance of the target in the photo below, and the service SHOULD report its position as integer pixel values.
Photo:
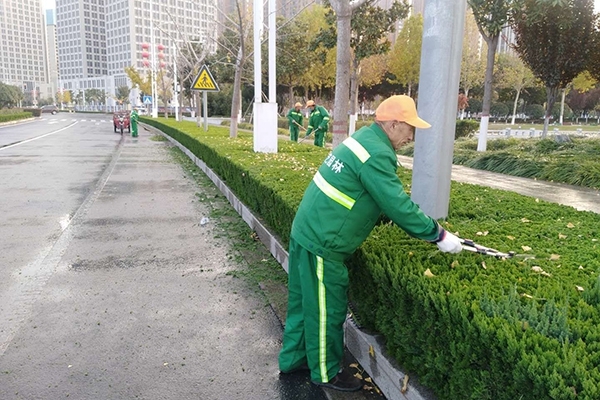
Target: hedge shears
(469, 245)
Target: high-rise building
(22, 60)
(97, 39)
(81, 36)
(51, 55)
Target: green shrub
(36, 112)
(465, 128)
(14, 116)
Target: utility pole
(441, 51)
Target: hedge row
(575, 162)
(6, 117)
(472, 327)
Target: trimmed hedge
(479, 328)
(15, 116)
(575, 162)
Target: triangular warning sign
(205, 81)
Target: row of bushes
(14, 116)
(476, 327)
(574, 162)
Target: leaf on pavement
(404, 384)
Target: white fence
(535, 133)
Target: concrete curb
(366, 348)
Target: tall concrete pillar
(443, 25)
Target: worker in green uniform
(318, 122)
(354, 185)
(294, 117)
(133, 120)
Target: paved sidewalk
(579, 197)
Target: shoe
(302, 368)
(343, 381)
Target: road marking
(28, 283)
(36, 138)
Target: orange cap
(400, 108)
(310, 103)
(298, 105)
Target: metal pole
(175, 99)
(205, 109)
(441, 51)
(272, 50)
(258, 28)
(153, 73)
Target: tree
(144, 83)
(293, 56)
(368, 26)
(405, 58)
(515, 75)
(10, 95)
(343, 10)
(122, 94)
(235, 44)
(549, 37)
(472, 68)
(491, 17)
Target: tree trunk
(292, 102)
(353, 95)
(551, 94)
(343, 13)
(515, 106)
(236, 97)
(562, 105)
(492, 43)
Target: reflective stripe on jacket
(354, 185)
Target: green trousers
(317, 306)
(319, 138)
(294, 133)
(134, 128)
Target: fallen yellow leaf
(579, 288)
(454, 264)
(561, 236)
(404, 384)
(428, 273)
(526, 248)
(483, 265)
(554, 257)
(371, 351)
(355, 365)
(368, 379)
(525, 220)
(511, 237)
(570, 225)
(527, 295)
(357, 375)
(535, 268)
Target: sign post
(205, 83)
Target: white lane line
(36, 138)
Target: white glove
(450, 243)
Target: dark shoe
(343, 381)
(302, 368)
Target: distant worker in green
(295, 119)
(318, 121)
(133, 120)
(356, 183)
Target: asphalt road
(110, 288)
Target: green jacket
(353, 186)
(318, 119)
(294, 115)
